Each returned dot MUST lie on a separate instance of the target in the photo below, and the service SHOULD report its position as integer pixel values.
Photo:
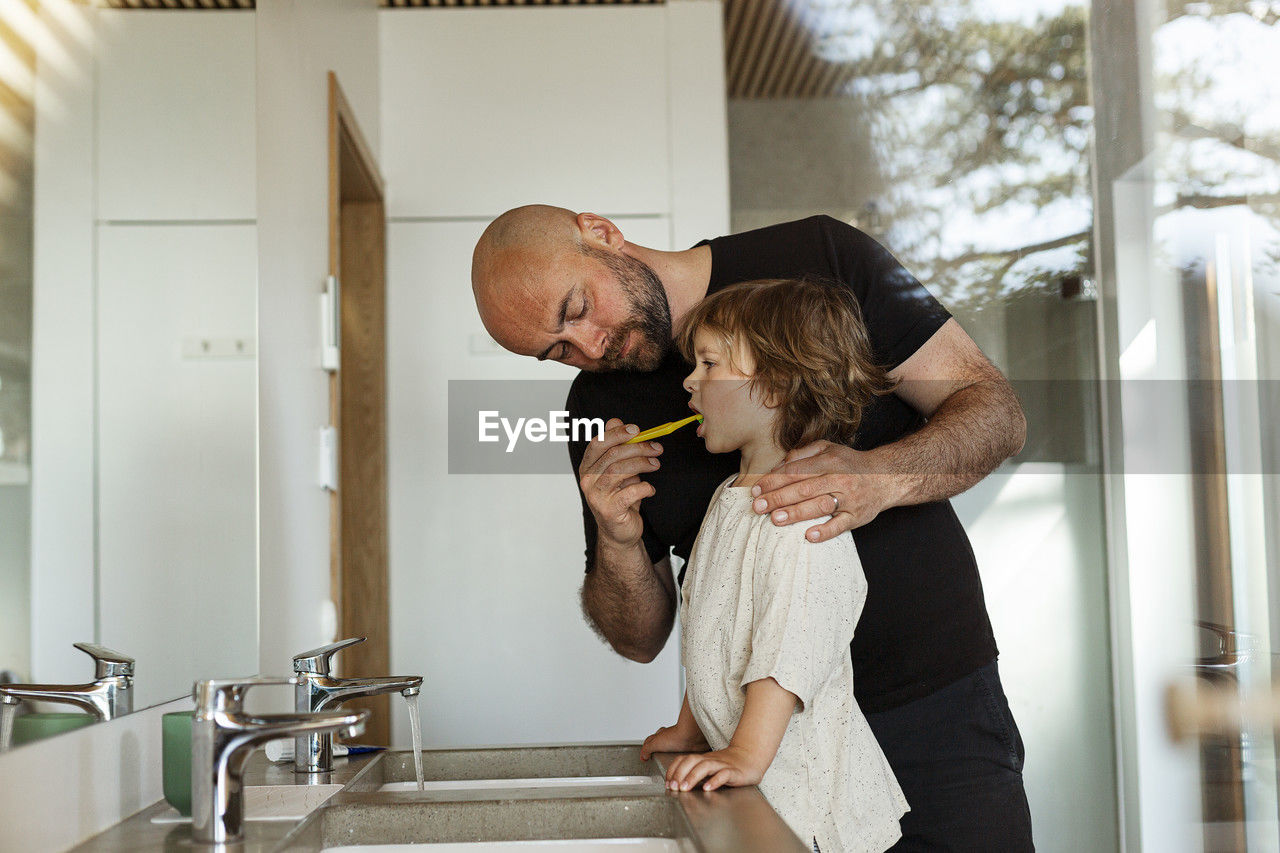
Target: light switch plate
(330, 325)
(329, 458)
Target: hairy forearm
(630, 601)
(966, 438)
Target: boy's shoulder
(787, 542)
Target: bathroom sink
(577, 845)
(500, 784)
(566, 799)
(515, 773)
(583, 824)
(520, 763)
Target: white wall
(177, 543)
(297, 43)
(698, 113)
(175, 116)
(485, 570)
(602, 109)
(484, 109)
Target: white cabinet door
(177, 427)
(176, 125)
(486, 109)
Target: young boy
(767, 616)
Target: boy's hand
(729, 766)
(673, 739)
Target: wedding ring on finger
(837, 500)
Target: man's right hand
(610, 480)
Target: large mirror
(128, 374)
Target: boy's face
(733, 418)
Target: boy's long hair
(811, 350)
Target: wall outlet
(198, 347)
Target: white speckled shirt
(760, 601)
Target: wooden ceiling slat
(791, 47)
(735, 45)
(761, 64)
(811, 73)
(791, 59)
(751, 50)
(183, 5)
(832, 79)
(782, 29)
(436, 4)
(218, 5)
(737, 24)
(732, 26)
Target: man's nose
(592, 341)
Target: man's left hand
(852, 486)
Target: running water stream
(415, 729)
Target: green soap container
(176, 753)
(29, 727)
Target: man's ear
(597, 230)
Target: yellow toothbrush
(665, 429)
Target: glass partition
(958, 134)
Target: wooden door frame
(358, 406)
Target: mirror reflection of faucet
(317, 689)
(223, 736)
(108, 696)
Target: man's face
(592, 309)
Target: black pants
(958, 757)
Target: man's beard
(650, 316)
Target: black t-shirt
(925, 622)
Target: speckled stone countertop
(139, 833)
(737, 820)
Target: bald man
(569, 287)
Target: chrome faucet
(222, 739)
(108, 696)
(317, 690)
